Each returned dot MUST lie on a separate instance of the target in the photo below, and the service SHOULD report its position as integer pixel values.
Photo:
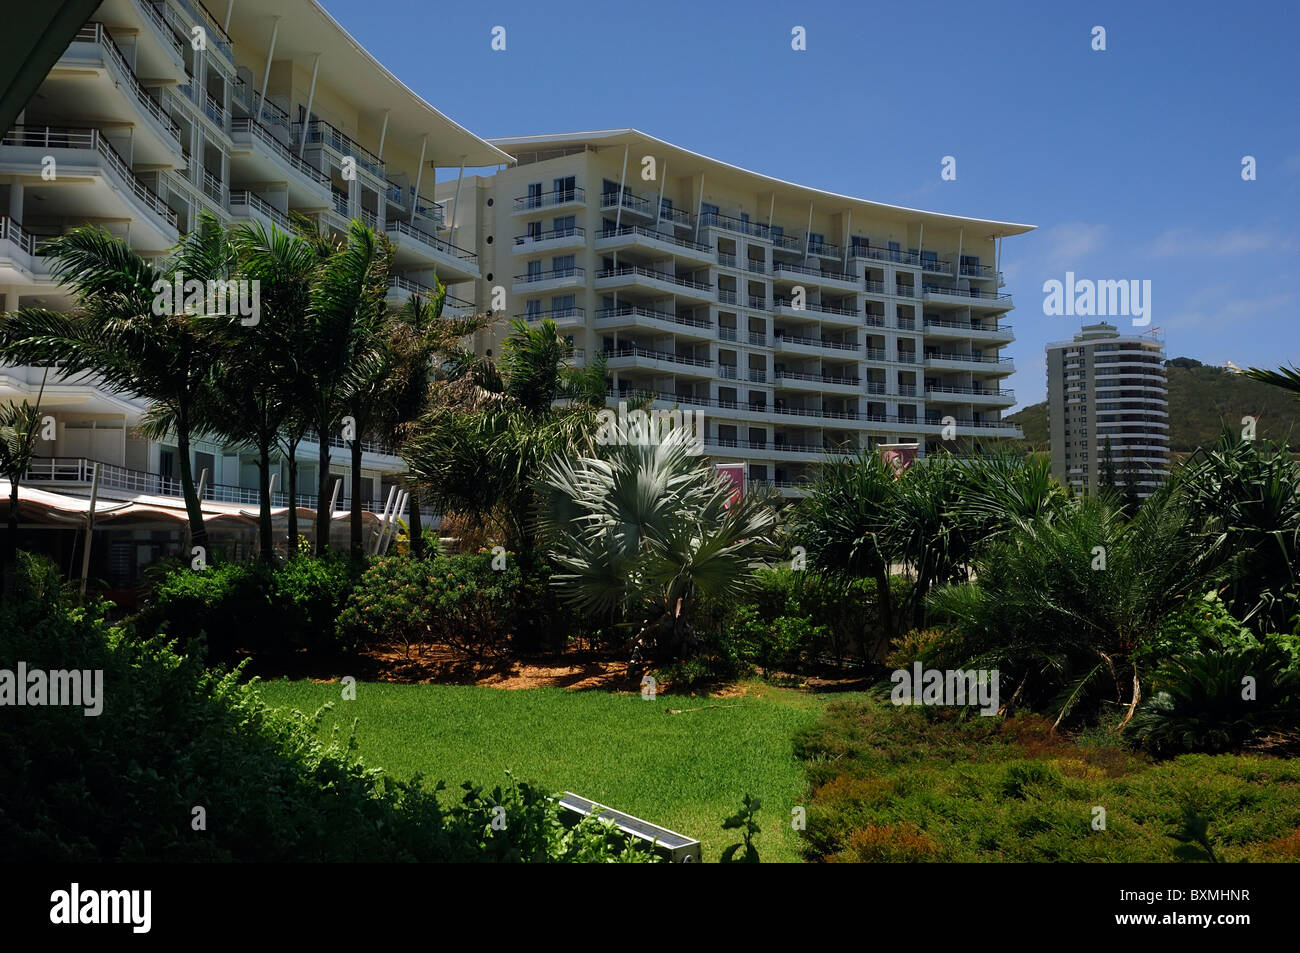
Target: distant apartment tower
(1107, 394)
(801, 322)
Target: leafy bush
(174, 736)
(251, 605)
(1203, 703)
(785, 644)
(459, 601)
(888, 844)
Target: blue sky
(1128, 160)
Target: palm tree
(340, 352)
(420, 342)
(122, 335)
(842, 523)
(644, 526)
(1287, 378)
(478, 451)
(252, 390)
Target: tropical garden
(1146, 652)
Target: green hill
(1201, 399)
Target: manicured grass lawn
(686, 772)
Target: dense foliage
(186, 764)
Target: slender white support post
(266, 75)
(90, 530)
(419, 173)
(311, 96)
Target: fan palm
(644, 526)
(20, 426)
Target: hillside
(1201, 398)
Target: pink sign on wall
(735, 472)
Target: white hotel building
(142, 132)
(802, 322)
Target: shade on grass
(685, 772)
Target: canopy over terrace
(130, 534)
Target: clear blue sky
(1128, 160)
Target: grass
(910, 785)
(685, 772)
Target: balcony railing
(816, 307)
(824, 249)
(57, 137)
(97, 33)
(320, 132)
(778, 267)
(257, 130)
(535, 276)
(877, 253)
(786, 337)
(657, 236)
(978, 271)
(669, 356)
(552, 314)
(965, 358)
(215, 34)
(974, 391)
(535, 237)
(687, 320)
(630, 200)
(624, 270)
(152, 14)
(547, 199)
(447, 248)
(247, 199)
(964, 325)
(819, 378)
(965, 293)
(12, 231)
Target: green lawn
(685, 772)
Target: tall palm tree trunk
(292, 492)
(193, 505)
(266, 538)
(415, 526)
(10, 578)
(323, 491)
(356, 497)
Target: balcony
(934, 265)
(817, 382)
(824, 250)
(554, 238)
(969, 270)
(563, 317)
(247, 205)
(537, 282)
(257, 155)
(943, 327)
(878, 253)
(164, 58)
(784, 340)
(977, 361)
(785, 271)
(631, 356)
(623, 317)
(744, 226)
(629, 200)
(553, 199)
(639, 236)
(217, 38)
(970, 395)
(157, 138)
(826, 313)
(973, 297)
(116, 191)
(320, 134)
(19, 262)
(654, 281)
(413, 246)
(994, 428)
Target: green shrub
(174, 736)
(251, 605)
(1202, 702)
(458, 601)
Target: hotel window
(562, 306)
(534, 270)
(564, 225)
(565, 188)
(534, 194)
(562, 266)
(533, 309)
(666, 208)
(708, 213)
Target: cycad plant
(1061, 606)
(644, 526)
